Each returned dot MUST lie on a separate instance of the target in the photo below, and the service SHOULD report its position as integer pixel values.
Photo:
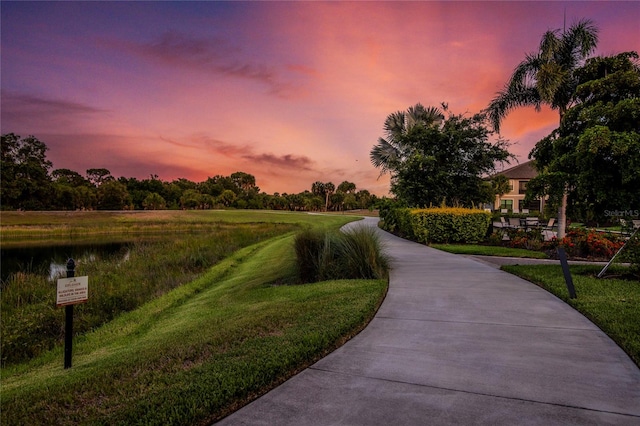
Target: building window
(506, 205)
(522, 186)
(532, 206)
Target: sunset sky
(291, 92)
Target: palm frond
(395, 125)
(549, 45)
(509, 99)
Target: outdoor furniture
(547, 231)
(550, 225)
(532, 221)
(514, 222)
(636, 223)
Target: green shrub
(449, 225)
(396, 219)
(632, 254)
(354, 254)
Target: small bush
(354, 254)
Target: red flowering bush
(584, 243)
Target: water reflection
(51, 260)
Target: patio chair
(532, 222)
(514, 222)
(547, 231)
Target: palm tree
(391, 150)
(548, 77)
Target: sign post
(71, 290)
(567, 273)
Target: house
(513, 200)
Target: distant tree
(350, 202)
(113, 195)
(336, 201)
(317, 188)
(69, 177)
(245, 182)
(364, 199)
(329, 188)
(191, 199)
(154, 201)
(98, 176)
(548, 77)
(227, 198)
(347, 187)
(24, 173)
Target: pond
(51, 260)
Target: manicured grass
(612, 304)
(474, 249)
(198, 353)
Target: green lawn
(612, 304)
(474, 249)
(201, 350)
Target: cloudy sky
(291, 92)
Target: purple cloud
(217, 56)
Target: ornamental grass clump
(353, 254)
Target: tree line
(588, 166)
(27, 182)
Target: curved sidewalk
(457, 341)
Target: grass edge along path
(481, 250)
(199, 352)
(613, 305)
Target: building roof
(521, 171)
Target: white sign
(72, 290)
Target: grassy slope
(612, 304)
(474, 249)
(198, 352)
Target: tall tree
(392, 149)
(446, 163)
(548, 77)
(596, 149)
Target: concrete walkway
(457, 341)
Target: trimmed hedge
(438, 225)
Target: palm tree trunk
(562, 216)
(562, 211)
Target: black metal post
(68, 321)
(567, 273)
